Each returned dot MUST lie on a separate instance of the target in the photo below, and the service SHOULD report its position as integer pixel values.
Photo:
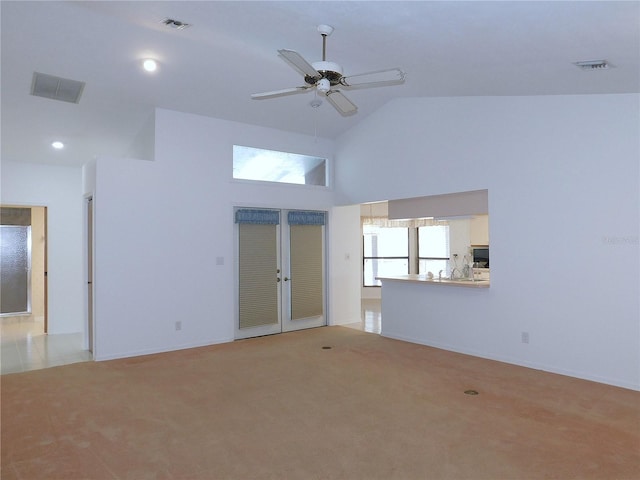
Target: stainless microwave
(481, 256)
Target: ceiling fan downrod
(330, 72)
(324, 47)
(325, 31)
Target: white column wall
(345, 256)
(563, 180)
(59, 189)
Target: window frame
(365, 258)
(418, 257)
(325, 161)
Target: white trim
(511, 361)
(151, 351)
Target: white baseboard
(151, 351)
(533, 365)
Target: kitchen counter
(445, 281)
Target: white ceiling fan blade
(279, 93)
(298, 63)
(341, 103)
(379, 78)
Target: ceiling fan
(326, 77)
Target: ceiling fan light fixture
(323, 85)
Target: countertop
(465, 283)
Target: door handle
(286, 279)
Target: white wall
(563, 180)
(60, 190)
(345, 256)
(160, 225)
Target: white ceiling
(447, 48)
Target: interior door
(281, 271)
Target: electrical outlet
(525, 337)
(178, 325)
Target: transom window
(281, 167)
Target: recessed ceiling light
(150, 65)
(57, 145)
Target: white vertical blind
(258, 275)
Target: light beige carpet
(284, 407)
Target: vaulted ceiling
(229, 51)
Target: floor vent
(56, 88)
(471, 392)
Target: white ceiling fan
(326, 77)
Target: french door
(281, 271)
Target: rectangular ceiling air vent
(56, 88)
(592, 65)
(177, 24)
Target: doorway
(90, 274)
(281, 271)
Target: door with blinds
(281, 270)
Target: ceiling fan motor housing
(329, 70)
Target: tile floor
(24, 346)
(370, 317)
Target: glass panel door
(304, 286)
(15, 270)
(258, 280)
(281, 275)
